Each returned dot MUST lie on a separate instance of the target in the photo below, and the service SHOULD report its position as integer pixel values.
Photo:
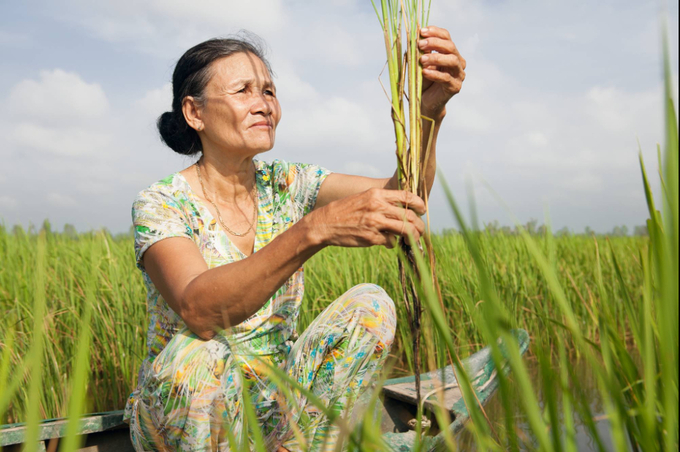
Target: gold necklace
(253, 194)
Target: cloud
(14, 39)
(68, 141)
(7, 202)
(57, 97)
(268, 13)
(313, 121)
(362, 169)
(155, 102)
(291, 87)
(617, 111)
(61, 200)
(60, 114)
(160, 25)
(336, 45)
(337, 122)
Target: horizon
(533, 226)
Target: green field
(602, 314)
(119, 318)
(99, 270)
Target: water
(584, 441)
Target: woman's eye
(269, 92)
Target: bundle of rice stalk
(401, 21)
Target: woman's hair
(190, 78)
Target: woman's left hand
(443, 71)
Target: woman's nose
(261, 105)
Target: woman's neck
(230, 178)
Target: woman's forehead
(239, 67)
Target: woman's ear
(192, 113)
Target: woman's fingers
(403, 228)
(375, 217)
(438, 39)
(405, 199)
(389, 240)
(393, 213)
(438, 45)
(443, 69)
(432, 30)
(453, 84)
(401, 214)
(443, 61)
(400, 221)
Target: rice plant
(406, 79)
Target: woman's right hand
(374, 217)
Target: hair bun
(177, 134)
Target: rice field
(73, 316)
(96, 269)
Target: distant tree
(493, 227)
(31, 229)
(70, 231)
(542, 230)
(507, 230)
(589, 232)
(530, 227)
(641, 231)
(619, 231)
(564, 232)
(18, 231)
(46, 227)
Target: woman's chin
(255, 150)
(262, 151)
(250, 147)
(263, 146)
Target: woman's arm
(209, 300)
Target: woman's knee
(367, 288)
(379, 305)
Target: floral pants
(196, 401)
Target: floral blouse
(169, 208)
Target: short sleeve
(156, 216)
(304, 182)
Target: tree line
(534, 228)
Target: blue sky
(556, 97)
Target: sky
(557, 97)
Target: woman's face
(241, 111)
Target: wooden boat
(106, 432)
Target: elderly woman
(221, 245)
